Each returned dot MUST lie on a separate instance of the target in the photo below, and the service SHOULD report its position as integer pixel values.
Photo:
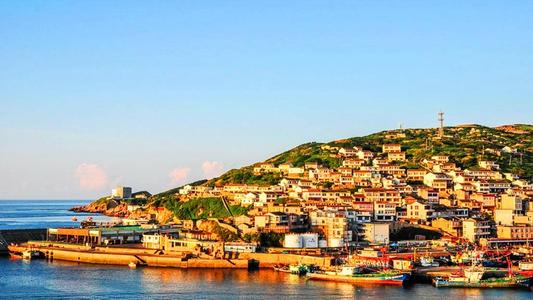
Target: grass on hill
(203, 208)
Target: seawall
(268, 260)
(150, 257)
(17, 236)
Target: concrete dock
(18, 236)
(149, 257)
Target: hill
(464, 144)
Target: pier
(18, 236)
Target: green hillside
(464, 144)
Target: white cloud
(212, 169)
(91, 176)
(179, 175)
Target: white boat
(526, 266)
(31, 254)
(427, 261)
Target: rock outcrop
(108, 207)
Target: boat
(525, 265)
(428, 261)
(352, 274)
(31, 254)
(132, 265)
(293, 269)
(476, 277)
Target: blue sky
(155, 94)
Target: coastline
(112, 208)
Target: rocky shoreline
(111, 208)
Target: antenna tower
(441, 128)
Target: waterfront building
(332, 225)
(452, 226)
(515, 232)
(476, 229)
(98, 236)
(376, 233)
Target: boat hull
(399, 279)
(515, 283)
(296, 270)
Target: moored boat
(293, 269)
(31, 254)
(473, 278)
(354, 275)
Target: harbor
(174, 247)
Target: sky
(156, 94)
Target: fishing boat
(477, 277)
(31, 254)
(293, 269)
(525, 266)
(359, 275)
(473, 279)
(428, 261)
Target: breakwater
(154, 258)
(17, 236)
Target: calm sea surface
(40, 279)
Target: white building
(121, 192)
(376, 233)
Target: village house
(438, 181)
(523, 232)
(488, 164)
(467, 187)
(416, 174)
(488, 201)
(429, 194)
(312, 194)
(281, 222)
(483, 174)
(396, 156)
(440, 159)
(444, 168)
(452, 226)
(476, 229)
(393, 170)
(376, 233)
(384, 211)
(349, 152)
(365, 155)
(345, 171)
(333, 226)
(296, 172)
(352, 163)
(442, 211)
(387, 148)
(362, 175)
(311, 165)
(382, 195)
(420, 211)
(364, 211)
(284, 168)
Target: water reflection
(42, 279)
